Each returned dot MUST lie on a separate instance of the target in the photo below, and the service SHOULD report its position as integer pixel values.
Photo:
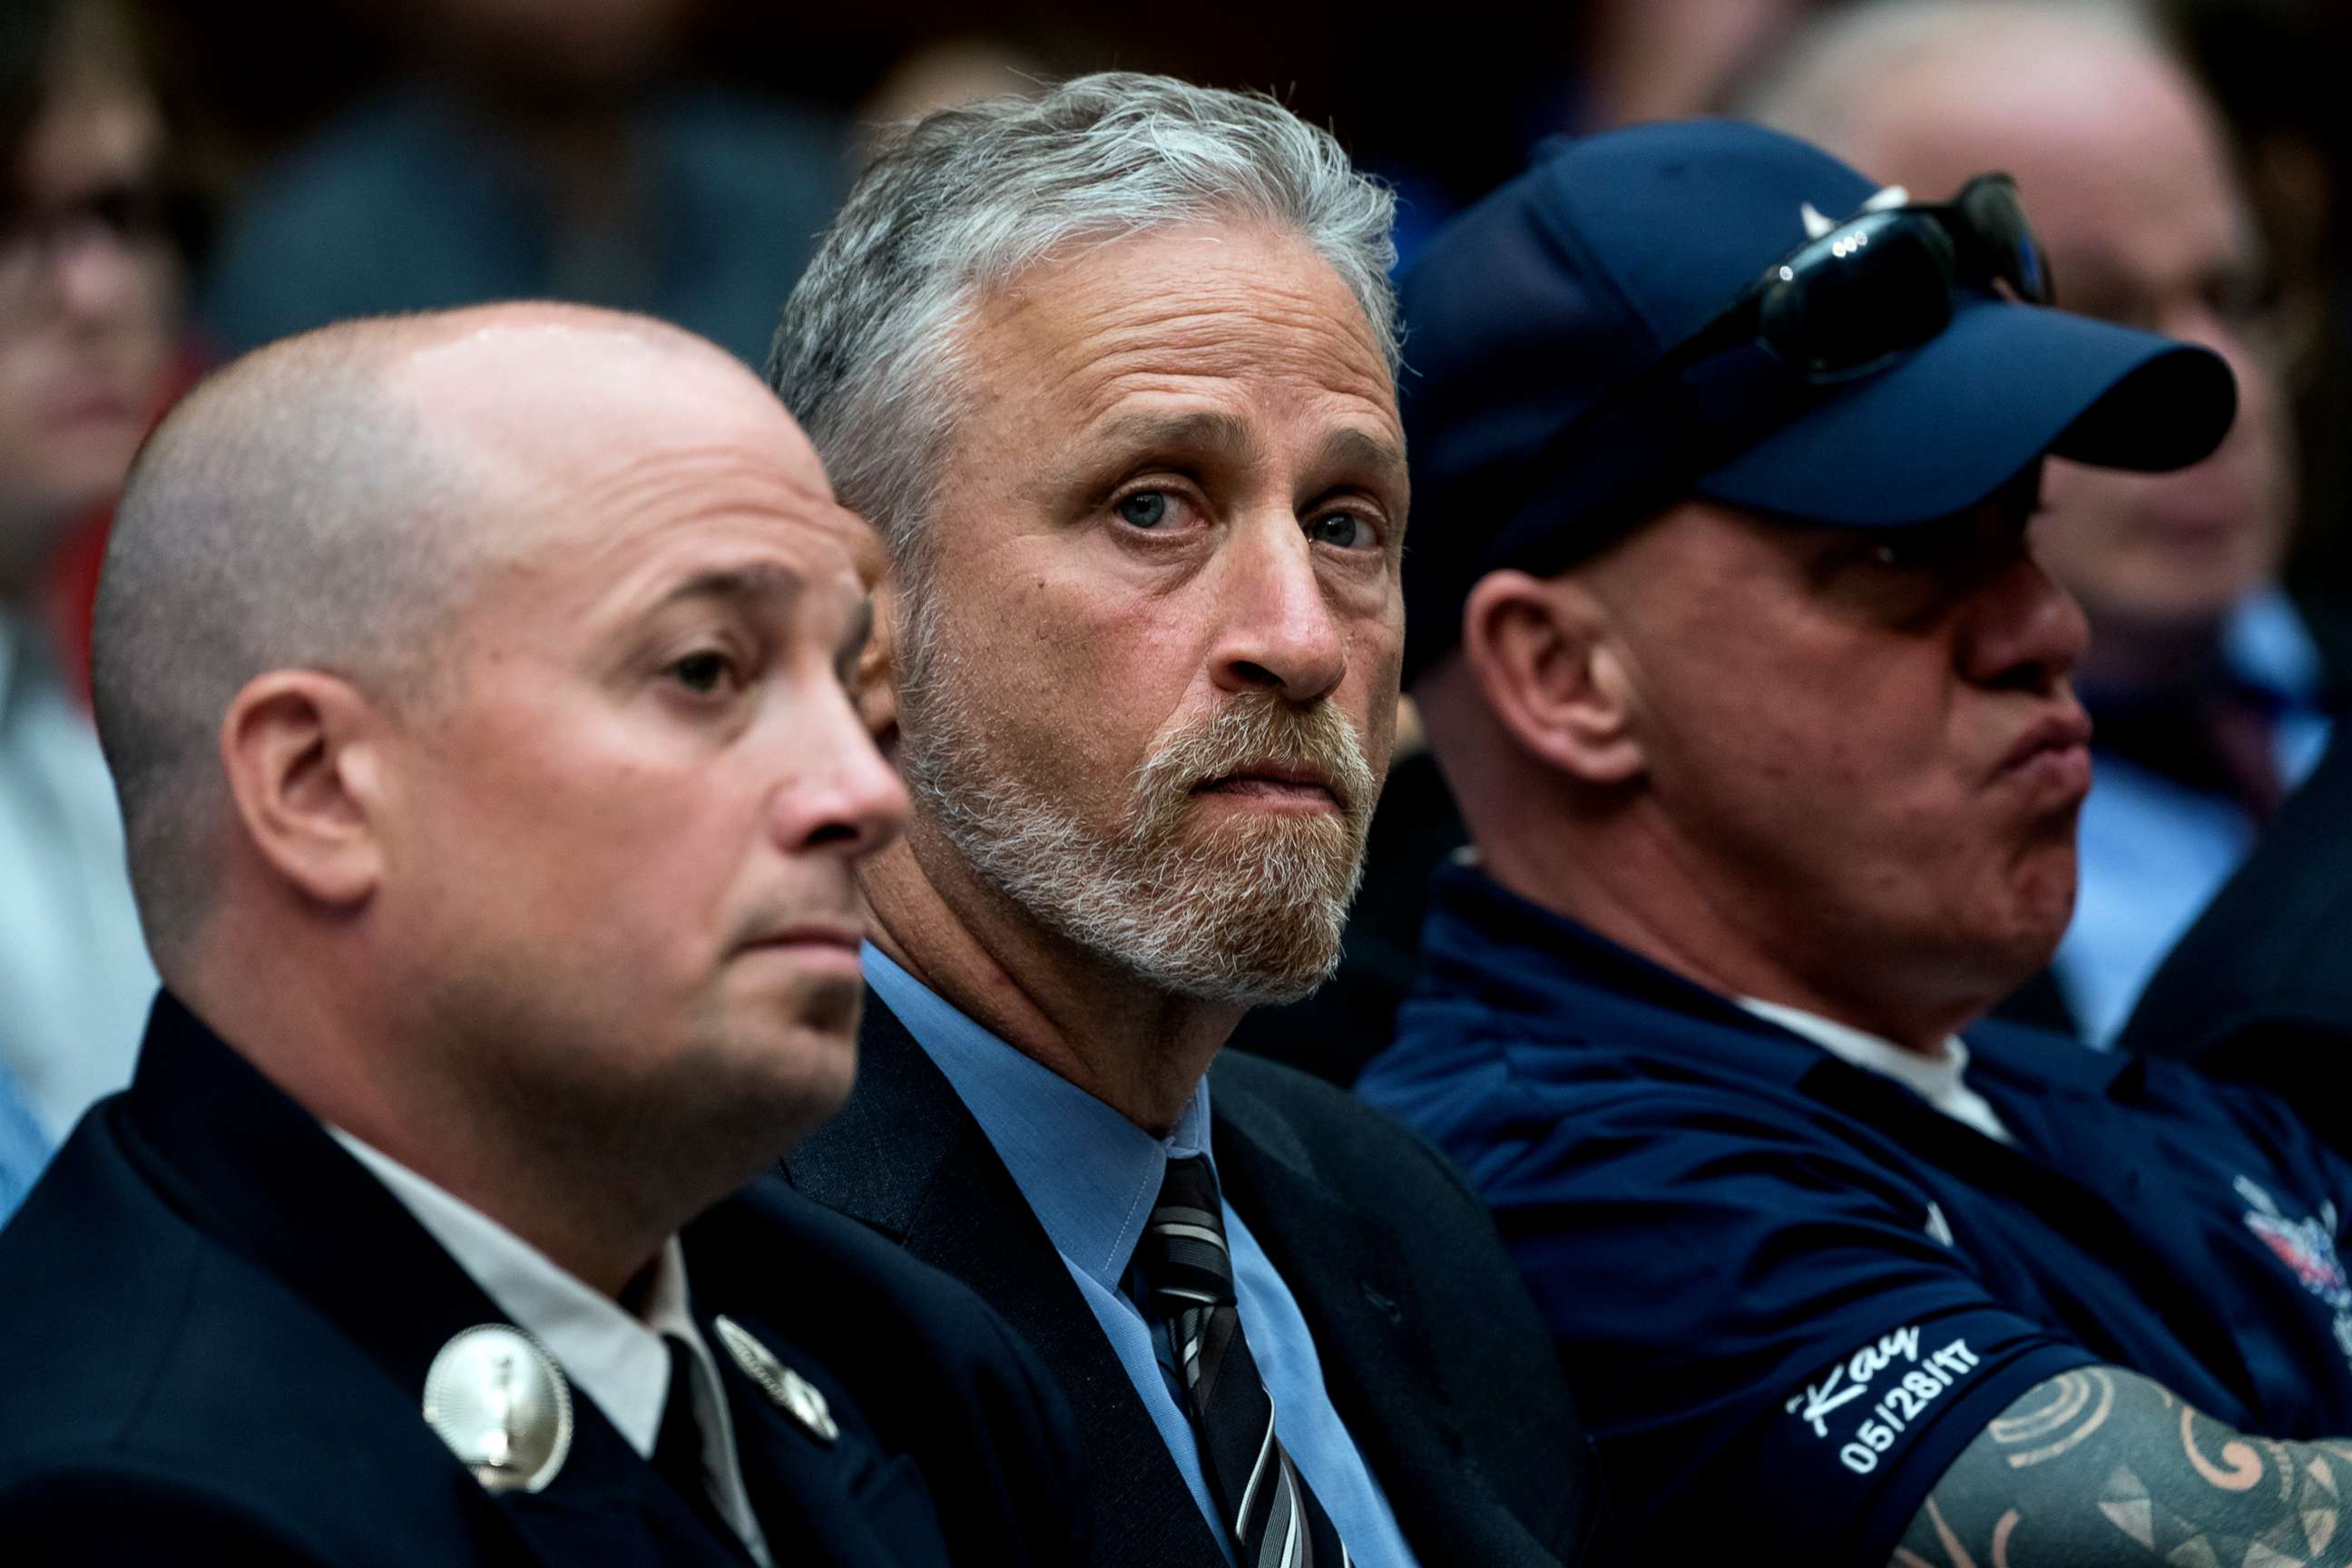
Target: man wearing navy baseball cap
(1725, 627)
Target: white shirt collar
(1939, 1079)
(619, 1360)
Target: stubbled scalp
(315, 505)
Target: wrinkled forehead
(1213, 299)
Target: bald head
(1875, 82)
(333, 502)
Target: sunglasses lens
(1873, 288)
(1996, 218)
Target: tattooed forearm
(2104, 1466)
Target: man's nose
(1275, 628)
(842, 796)
(2022, 629)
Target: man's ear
(1541, 653)
(298, 750)
(877, 674)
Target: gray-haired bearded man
(1113, 371)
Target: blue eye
(1144, 508)
(1343, 530)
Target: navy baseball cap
(1529, 315)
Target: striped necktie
(1188, 1288)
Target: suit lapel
(258, 1174)
(842, 1502)
(608, 1506)
(1346, 1269)
(905, 1157)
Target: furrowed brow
(1221, 435)
(1353, 450)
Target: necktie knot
(1182, 1254)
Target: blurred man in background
(2259, 990)
(2206, 686)
(88, 316)
(535, 148)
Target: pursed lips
(814, 936)
(2057, 744)
(1277, 784)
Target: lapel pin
(499, 1401)
(795, 1395)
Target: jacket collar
(1505, 954)
(905, 1156)
(1090, 1175)
(261, 1176)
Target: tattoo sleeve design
(2102, 1467)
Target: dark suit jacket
(215, 1328)
(1434, 1355)
(2261, 988)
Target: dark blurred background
(1444, 101)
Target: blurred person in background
(539, 148)
(1666, 60)
(88, 296)
(2206, 685)
(2276, 66)
(2259, 990)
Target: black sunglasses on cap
(1878, 285)
(1837, 307)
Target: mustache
(1258, 730)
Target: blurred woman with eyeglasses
(90, 336)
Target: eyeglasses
(138, 219)
(1878, 285)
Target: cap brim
(1999, 388)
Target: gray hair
(961, 201)
(1823, 81)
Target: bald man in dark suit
(473, 686)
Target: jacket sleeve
(1760, 1325)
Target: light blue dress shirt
(2153, 852)
(22, 1149)
(1091, 1175)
